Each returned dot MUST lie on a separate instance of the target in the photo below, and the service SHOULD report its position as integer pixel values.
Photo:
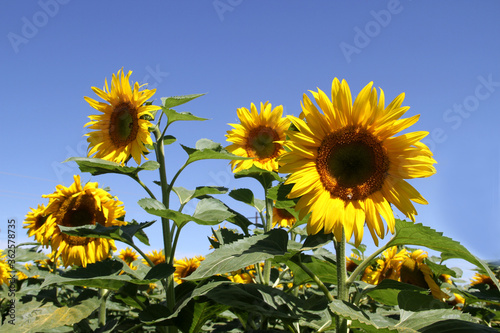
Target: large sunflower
(258, 137)
(76, 206)
(35, 223)
(122, 130)
(348, 167)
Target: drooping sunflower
(129, 256)
(155, 257)
(388, 267)
(479, 278)
(283, 218)
(35, 223)
(258, 137)
(121, 130)
(4, 269)
(184, 267)
(348, 167)
(76, 206)
(415, 271)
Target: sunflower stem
(267, 227)
(103, 293)
(167, 237)
(342, 287)
(365, 263)
(136, 178)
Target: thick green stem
(167, 237)
(267, 227)
(102, 307)
(342, 287)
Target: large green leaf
(208, 211)
(242, 253)
(264, 177)
(246, 195)
(173, 101)
(97, 166)
(279, 194)
(387, 291)
(435, 320)
(186, 195)
(409, 233)
(206, 149)
(196, 313)
(121, 233)
(324, 270)
(35, 317)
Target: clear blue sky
(444, 55)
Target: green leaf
(97, 166)
(159, 271)
(245, 195)
(207, 149)
(169, 139)
(186, 195)
(123, 233)
(35, 317)
(196, 313)
(173, 101)
(242, 253)
(208, 211)
(324, 270)
(387, 291)
(410, 300)
(25, 255)
(224, 236)
(436, 320)
(264, 177)
(409, 233)
(279, 194)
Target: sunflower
(22, 276)
(35, 223)
(258, 136)
(76, 206)
(283, 218)
(129, 256)
(346, 165)
(388, 267)
(414, 271)
(123, 128)
(184, 267)
(155, 256)
(241, 277)
(4, 269)
(479, 278)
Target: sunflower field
(340, 166)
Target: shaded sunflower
(347, 166)
(122, 130)
(414, 271)
(283, 218)
(76, 206)
(184, 267)
(241, 277)
(35, 223)
(129, 256)
(4, 269)
(155, 256)
(479, 278)
(258, 136)
(22, 276)
(388, 267)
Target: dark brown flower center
(352, 163)
(79, 211)
(260, 143)
(123, 125)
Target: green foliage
(97, 166)
(206, 149)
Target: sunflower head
(283, 218)
(5, 270)
(241, 277)
(258, 136)
(156, 257)
(388, 267)
(479, 278)
(122, 130)
(347, 166)
(77, 206)
(184, 267)
(129, 256)
(35, 223)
